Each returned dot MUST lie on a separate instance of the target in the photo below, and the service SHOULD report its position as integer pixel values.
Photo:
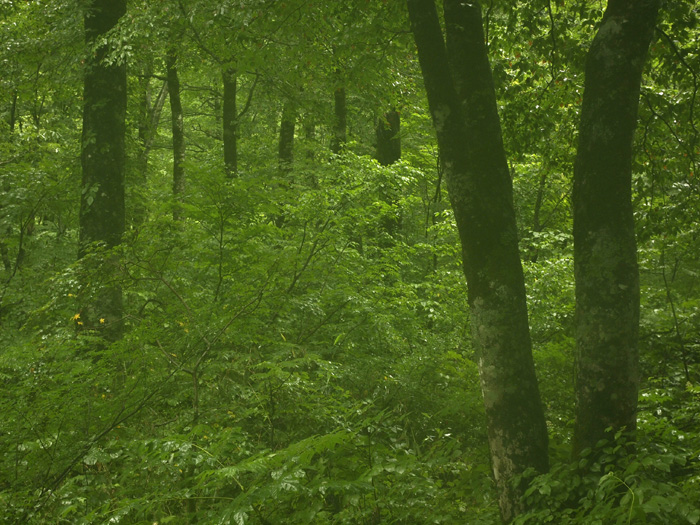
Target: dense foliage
(297, 348)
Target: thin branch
(676, 324)
(217, 59)
(246, 107)
(683, 61)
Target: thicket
(297, 350)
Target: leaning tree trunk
(605, 252)
(102, 218)
(463, 106)
(178, 129)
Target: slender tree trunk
(389, 151)
(286, 142)
(4, 251)
(539, 199)
(340, 120)
(310, 137)
(388, 139)
(149, 117)
(463, 106)
(103, 159)
(537, 212)
(605, 252)
(230, 123)
(13, 111)
(148, 120)
(178, 134)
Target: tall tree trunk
(230, 123)
(388, 139)
(103, 159)
(178, 127)
(286, 142)
(340, 120)
(463, 106)
(605, 253)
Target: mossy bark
(605, 252)
(102, 215)
(463, 106)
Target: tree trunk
(149, 117)
(178, 127)
(148, 120)
(103, 159)
(340, 121)
(4, 251)
(230, 123)
(605, 253)
(537, 212)
(463, 106)
(286, 142)
(13, 111)
(388, 139)
(389, 151)
(310, 137)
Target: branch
(695, 82)
(197, 37)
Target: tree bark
(463, 107)
(605, 253)
(178, 130)
(340, 120)
(230, 123)
(286, 139)
(388, 139)
(103, 158)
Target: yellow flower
(75, 317)
(102, 320)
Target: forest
(349, 262)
